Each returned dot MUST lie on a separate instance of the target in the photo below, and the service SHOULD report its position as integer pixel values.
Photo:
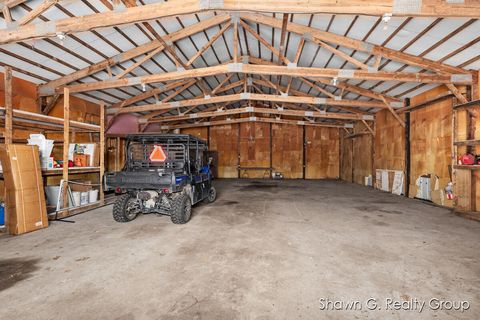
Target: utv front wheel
(125, 208)
(181, 210)
(212, 195)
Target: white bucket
(52, 194)
(93, 195)
(76, 198)
(83, 198)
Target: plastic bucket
(84, 198)
(52, 194)
(76, 198)
(93, 195)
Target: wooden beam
(102, 148)
(209, 43)
(297, 58)
(8, 105)
(461, 98)
(66, 142)
(180, 7)
(40, 9)
(273, 70)
(149, 93)
(7, 15)
(264, 42)
(227, 78)
(12, 3)
(249, 119)
(48, 88)
(252, 97)
(341, 54)
(33, 117)
(252, 110)
(354, 44)
(235, 42)
(51, 103)
(368, 127)
(394, 113)
(141, 61)
(341, 85)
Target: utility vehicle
(163, 174)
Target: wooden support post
(8, 106)
(102, 148)
(66, 142)
(235, 42)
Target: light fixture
(144, 87)
(62, 36)
(385, 19)
(334, 81)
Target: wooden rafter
(248, 96)
(253, 110)
(149, 94)
(141, 61)
(179, 7)
(48, 88)
(41, 8)
(209, 43)
(354, 44)
(250, 119)
(273, 70)
(264, 42)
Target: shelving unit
(465, 176)
(35, 122)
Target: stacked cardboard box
(25, 198)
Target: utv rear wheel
(181, 209)
(212, 195)
(125, 208)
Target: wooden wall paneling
(200, 132)
(362, 162)
(389, 142)
(224, 140)
(255, 149)
(322, 150)
(431, 144)
(287, 150)
(346, 170)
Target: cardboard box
(25, 198)
(81, 160)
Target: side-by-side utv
(164, 174)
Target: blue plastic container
(2, 215)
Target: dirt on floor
(291, 249)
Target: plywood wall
(224, 140)
(346, 157)
(389, 142)
(357, 154)
(322, 153)
(287, 150)
(201, 133)
(431, 142)
(254, 149)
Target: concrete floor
(263, 250)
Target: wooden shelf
(72, 170)
(467, 167)
(467, 143)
